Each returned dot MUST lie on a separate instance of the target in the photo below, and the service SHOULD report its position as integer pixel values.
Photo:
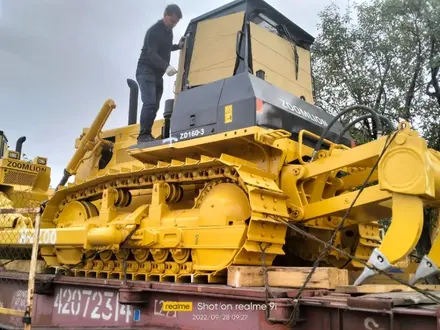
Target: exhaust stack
(19, 145)
(133, 102)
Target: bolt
(400, 139)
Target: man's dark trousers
(151, 88)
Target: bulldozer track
(138, 263)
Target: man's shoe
(142, 141)
(145, 138)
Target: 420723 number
(91, 304)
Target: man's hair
(173, 9)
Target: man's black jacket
(157, 48)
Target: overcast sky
(61, 59)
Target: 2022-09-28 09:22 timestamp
(219, 317)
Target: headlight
(13, 155)
(41, 160)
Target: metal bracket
(132, 296)
(45, 288)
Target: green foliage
(381, 53)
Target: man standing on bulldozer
(153, 63)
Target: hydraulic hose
(361, 118)
(374, 114)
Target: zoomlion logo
(302, 113)
(26, 166)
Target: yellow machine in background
(241, 156)
(23, 184)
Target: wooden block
(23, 266)
(290, 277)
(382, 288)
(380, 278)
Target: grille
(19, 178)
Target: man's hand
(170, 71)
(181, 42)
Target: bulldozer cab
(244, 65)
(247, 37)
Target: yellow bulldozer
(244, 170)
(24, 184)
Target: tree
(386, 58)
(384, 54)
